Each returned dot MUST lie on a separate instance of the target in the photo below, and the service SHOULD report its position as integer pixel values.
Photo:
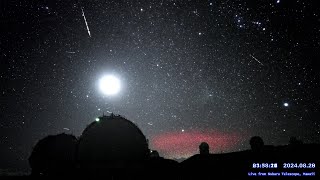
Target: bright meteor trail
(85, 21)
(256, 59)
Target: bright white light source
(109, 85)
(286, 104)
(97, 119)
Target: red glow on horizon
(184, 144)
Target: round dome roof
(112, 138)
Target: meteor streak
(85, 21)
(256, 59)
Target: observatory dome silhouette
(112, 141)
(54, 155)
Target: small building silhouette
(154, 154)
(256, 144)
(204, 148)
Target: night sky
(190, 71)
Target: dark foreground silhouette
(113, 147)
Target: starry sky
(219, 71)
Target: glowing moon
(109, 85)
